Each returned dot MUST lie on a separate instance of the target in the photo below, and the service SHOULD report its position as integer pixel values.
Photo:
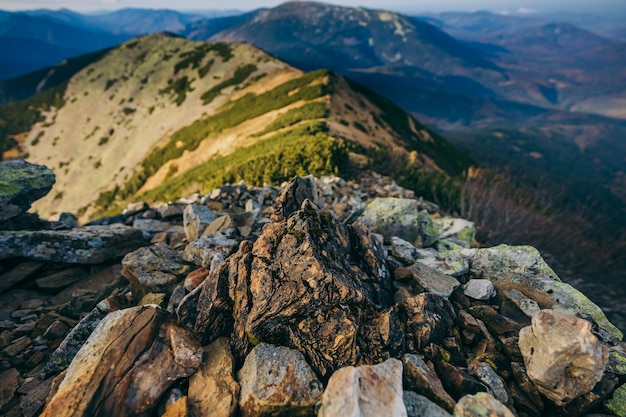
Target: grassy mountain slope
(161, 117)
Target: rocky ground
(322, 297)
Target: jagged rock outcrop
(304, 276)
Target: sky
(542, 6)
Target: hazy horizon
(496, 6)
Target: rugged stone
(61, 358)
(526, 305)
(458, 231)
(127, 377)
(10, 380)
(84, 245)
(61, 279)
(404, 251)
(157, 268)
(486, 374)
(100, 284)
(419, 377)
(420, 406)
(276, 380)
(202, 251)
(32, 403)
(213, 390)
(481, 405)
(195, 278)
(479, 289)
(292, 197)
(523, 266)
(309, 283)
(562, 357)
(428, 319)
(366, 391)
(196, 218)
(21, 184)
(399, 217)
(433, 281)
(20, 273)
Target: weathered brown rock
(481, 405)
(213, 391)
(309, 283)
(419, 377)
(366, 391)
(61, 279)
(276, 380)
(563, 358)
(84, 245)
(129, 361)
(157, 268)
(10, 380)
(21, 272)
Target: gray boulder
(21, 184)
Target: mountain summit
(160, 117)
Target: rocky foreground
(324, 297)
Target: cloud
(525, 10)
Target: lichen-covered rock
(457, 231)
(157, 268)
(21, 184)
(366, 391)
(418, 377)
(420, 406)
(127, 363)
(276, 380)
(563, 358)
(213, 390)
(399, 217)
(84, 245)
(481, 405)
(523, 267)
(617, 403)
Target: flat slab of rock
(213, 391)
(563, 358)
(154, 269)
(432, 281)
(125, 366)
(276, 380)
(84, 245)
(366, 391)
(196, 218)
(21, 184)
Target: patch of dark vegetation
(238, 77)
(179, 88)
